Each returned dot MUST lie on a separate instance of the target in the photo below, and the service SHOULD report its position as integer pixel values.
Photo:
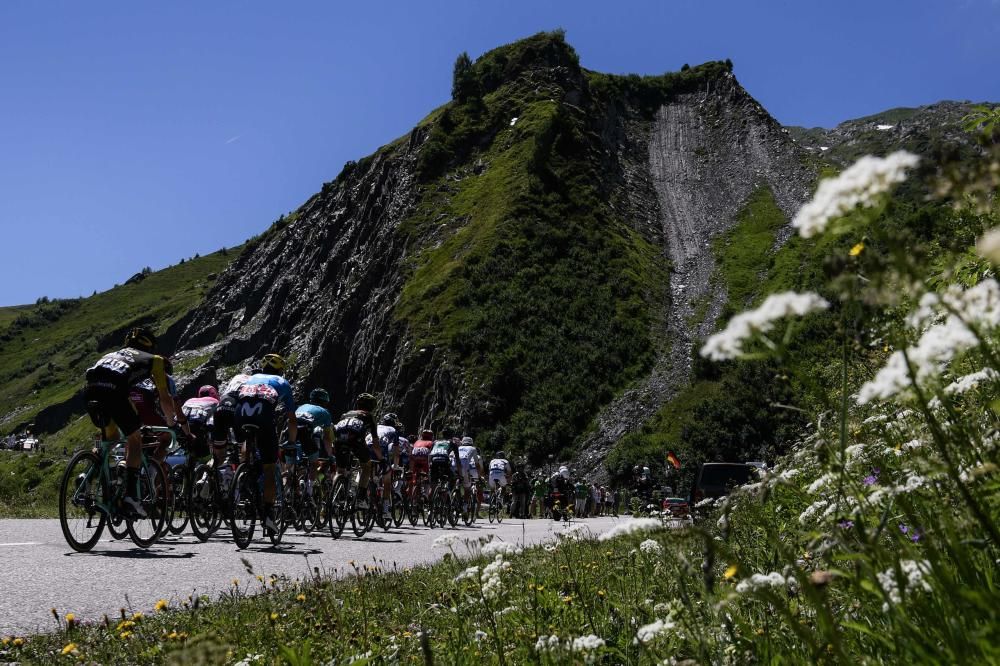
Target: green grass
(43, 360)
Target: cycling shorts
(147, 406)
(497, 479)
(441, 469)
(419, 464)
(308, 443)
(113, 402)
(261, 413)
(224, 418)
(344, 450)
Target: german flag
(673, 460)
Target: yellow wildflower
(161, 604)
(301, 597)
(568, 599)
(137, 616)
(5, 640)
(274, 616)
(260, 578)
(236, 582)
(18, 642)
(71, 647)
(407, 634)
(601, 593)
(857, 249)
(172, 635)
(125, 635)
(730, 572)
(70, 618)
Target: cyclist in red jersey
(420, 455)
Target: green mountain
(535, 263)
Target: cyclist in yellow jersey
(107, 396)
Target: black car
(718, 479)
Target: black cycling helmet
(272, 364)
(366, 401)
(391, 419)
(319, 395)
(142, 338)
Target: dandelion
(650, 547)
(730, 572)
(300, 597)
(18, 642)
(70, 648)
(632, 526)
(274, 617)
(857, 249)
(125, 635)
(137, 617)
(70, 620)
(858, 185)
(728, 343)
(161, 605)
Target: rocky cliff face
(706, 153)
(674, 166)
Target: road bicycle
(499, 507)
(92, 490)
(246, 496)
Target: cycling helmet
(208, 391)
(426, 434)
(467, 441)
(636, 471)
(500, 455)
(645, 471)
(564, 472)
(140, 337)
(390, 419)
(272, 364)
(366, 401)
(319, 395)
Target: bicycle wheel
(243, 504)
(321, 496)
(491, 513)
(337, 508)
(144, 532)
(204, 502)
(454, 508)
(307, 507)
(399, 509)
(79, 492)
(180, 499)
(359, 518)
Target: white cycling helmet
(466, 441)
(564, 472)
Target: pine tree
(463, 81)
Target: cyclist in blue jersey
(261, 402)
(315, 426)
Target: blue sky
(135, 134)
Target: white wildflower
(471, 572)
(971, 381)
(648, 632)
(913, 579)
(651, 547)
(632, 526)
(877, 418)
(445, 541)
(575, 532)
(360, 657)
(988, 245)
(479, 635)
(728, 343)
(587, 645)
(500, 547)
(549, 548)
(547, 643)
(858, 185)
(820, 483)
(761, 581)
(707, 502)
(811, 510)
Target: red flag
(673, 460)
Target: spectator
(595, 500)
(581, 495)
(521, 487)
(539, 488)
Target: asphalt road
(38, 571)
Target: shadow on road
(139, 554)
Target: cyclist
(107, 395)
(538, 490)
(315, 425)
(444, 458)
(420, 457)
(500, 471)
(225, 414)
(261, 401)
(388, 443)
(146, 400)
(470, 462)
(199, 413)
(350, 432)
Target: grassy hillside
(45, 348)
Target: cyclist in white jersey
(468, 456)
(500, 470)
